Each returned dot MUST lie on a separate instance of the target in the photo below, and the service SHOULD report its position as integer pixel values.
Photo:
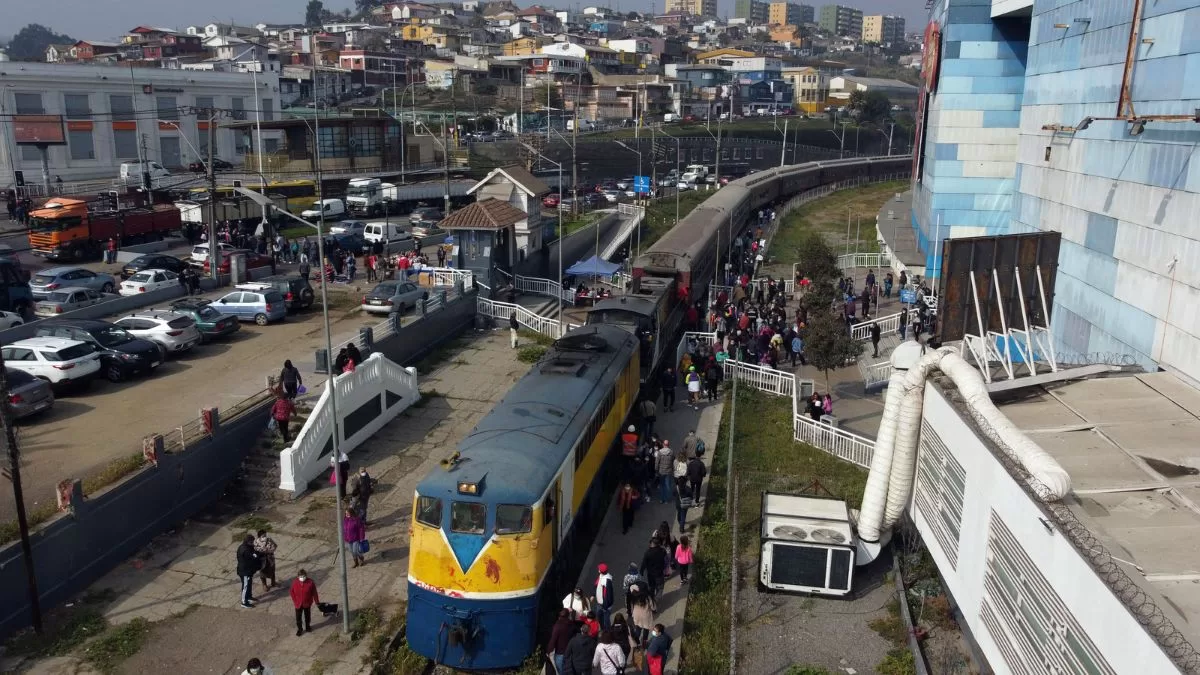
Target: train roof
(518, 447)
(629, 303)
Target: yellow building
(417, 32)
(883, 29)
(693, 7)
(784, 33)
(810, 88)
(785, 13)
(525, 46)
(725, 52)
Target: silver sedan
(394, 296)
(69, 299)
(57, 278)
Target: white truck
(330, 209)
(695, 173)
(369, 196)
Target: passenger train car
(500, 531)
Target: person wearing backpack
(696, 471)
(609, 656)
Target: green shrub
(118, 644)
(899, 661)
(531, 353)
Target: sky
(106, 19)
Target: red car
(253, 261)
(550, 201)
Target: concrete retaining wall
(417, 339)
(576, 246)
(77, 548)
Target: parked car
(200, 252)
(218, 164)
(426, 229)
(296, 291)
(54, 278)
(346, 241)
(611, 196)
(27, 394)
(149, 280)
(395, 236)
(426, 214)
(625, 183)
(551, 200)
(211, 323)
(261, 307)
(173, 332)
(10, 319)
(58, 361)
(155, 261)
(121, 354)
(399, 296)
(68, 299)
(253, 260)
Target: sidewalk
(184, 581)
(617, 550)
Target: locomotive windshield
(468, 517)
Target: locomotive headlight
(465, 488)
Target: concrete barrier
(118, 305)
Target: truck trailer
(75, 229)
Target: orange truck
(75, 229)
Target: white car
(149, 280)
(58, 361)
(200, 252)
(10, 319)
(173, 332)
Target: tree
(816, 260)
(828, 343)
(857, 100)
(30, 43)
(540, 94)
(876, 107)
(314, 13)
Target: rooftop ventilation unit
(807, 545)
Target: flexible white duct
(893, 466)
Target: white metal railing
(631, 217)
(535, 322)
(447, 276)
(870, 260)
(539, 286)
(887, 325)
(876, 373)
(303, 460)
(840, 443)
(685, 343)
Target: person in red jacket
(304, 596)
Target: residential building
(503, 226)
(788, 13)
(841, 86)
(754, 68)
(601, 58)
(810, 88)
(841, 20)
(883, 29)
(526, 45)
(59, 54)
(597, 102)
(704, 8)
(721, 56)
(121, 115)
(375, 67)
(753, 11)
(87, 50)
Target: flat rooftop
(895, 227)
(1131, 444)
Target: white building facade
(115, 115)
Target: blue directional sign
(641, 184)
(908, 296)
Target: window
(167, 108)
(80, 142)
(429, 511)
(121, 107)
(268, 109)
(332, 142)
(239, 108)
(77, 106)
(18, 354)
(29, 104)
(468, 517)
(513, 519)
(365, 141)
(594, 427)
(202, 141)
(205, 102)
(125, 142)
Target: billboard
(38, 130)
(996, 299)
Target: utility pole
(783, 152)
(14, 474)
(213, 249)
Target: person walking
(683, 502)
(664, 470)
(305, 269)
(110, 256)
(696, 471)
(281, 412)
(668, 382)
(875, 337)
(291, 379)
(560, 637)
(903, 325)
(371, 262)
(609, 657)
(684, 556)
(362, 486)
(265, 547)
(621, 636)
(580, 651)
(657, 650)
(642, 610)
(256, 667)
(304, 596)
(654, 566)
(341, 470)
(632, 577)
(248, 563)
(355, 534)
(513, 328)
(649, 413)
(604, 596)
(577, 603)
(693, 387)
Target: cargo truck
(369, 196)
(74, 229)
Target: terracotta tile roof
(525, 181)
(486, 214)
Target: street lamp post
(265, 202)
(639, 173)
(560, 232)
(841, 139)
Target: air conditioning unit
(807, 545)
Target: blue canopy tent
(593, 267)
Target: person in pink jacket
(355, 534)
(684, 558)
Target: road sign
(908, 296)
(641, 184)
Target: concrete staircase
(257, 482)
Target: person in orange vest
(629, 449)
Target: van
(327, 208)
(131, 172)
(388, 234)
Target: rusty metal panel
(995, 263)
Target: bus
(300, 194)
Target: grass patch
(660, 215)
(405, 661)
(62, 633)
(439, 355)
(827, 216)
(367, 620)
(248, 525)
(535, 337)
(316, 668)
(114, 647)
(806, 670)
(573, 223)
(426, 398)
(10, 531)
(112, 472)
(297, 232)
(531, 353)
